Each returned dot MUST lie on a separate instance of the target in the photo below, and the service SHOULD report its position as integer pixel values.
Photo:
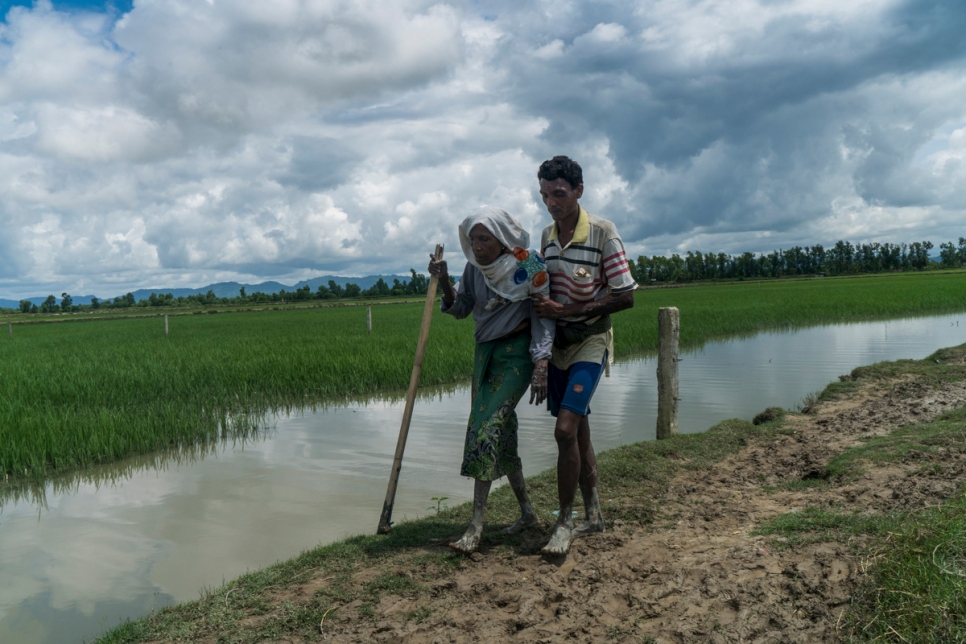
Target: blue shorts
(572, 388)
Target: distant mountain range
(226, 289)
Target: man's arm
(611, 303)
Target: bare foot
(525, 522)
(594, 518)
(590, 524)
(470, 540)
(559, 542)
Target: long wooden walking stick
(384, 521)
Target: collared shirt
(587, 269)
(590, 267)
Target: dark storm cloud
(726, 141)
(319, 163)
(885, 178)
(9, 267)
(926, 33)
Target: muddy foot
(559, 542)
(470, 540)
(525, 522)
(590, 525)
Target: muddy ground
(697, 573)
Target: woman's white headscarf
(512, 276)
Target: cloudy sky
(167, 143)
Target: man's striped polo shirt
(592, 265)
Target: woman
(512, 349)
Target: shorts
(573, 387)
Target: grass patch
(906, 444)
(812, 525)
(916, 590)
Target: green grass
(82, 392)
(907, 444)
(812, 525)
(916, 591)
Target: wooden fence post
(165, 325)
(10, 329)
(369, 319)
(669, 330)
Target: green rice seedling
(89, 390)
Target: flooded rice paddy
(84, 553)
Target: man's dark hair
(561, 167)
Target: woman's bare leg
(470, 540)
(528, 518)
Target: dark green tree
(125, 301)
(919, 254)
(949, 255)
(418, 284)
(379, 289)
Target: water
(79, 556)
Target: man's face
(560, 199)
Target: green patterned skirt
(501, 375)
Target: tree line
(418, 284)
(843, 258)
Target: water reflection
(34, 492)
(79, 553)
(241, 431)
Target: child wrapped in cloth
(513, 346)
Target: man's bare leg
(568, 476)
(563, 533)
(528, 518)
(593, 518)
(470, 540)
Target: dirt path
(697, 574)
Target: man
(589, 280)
